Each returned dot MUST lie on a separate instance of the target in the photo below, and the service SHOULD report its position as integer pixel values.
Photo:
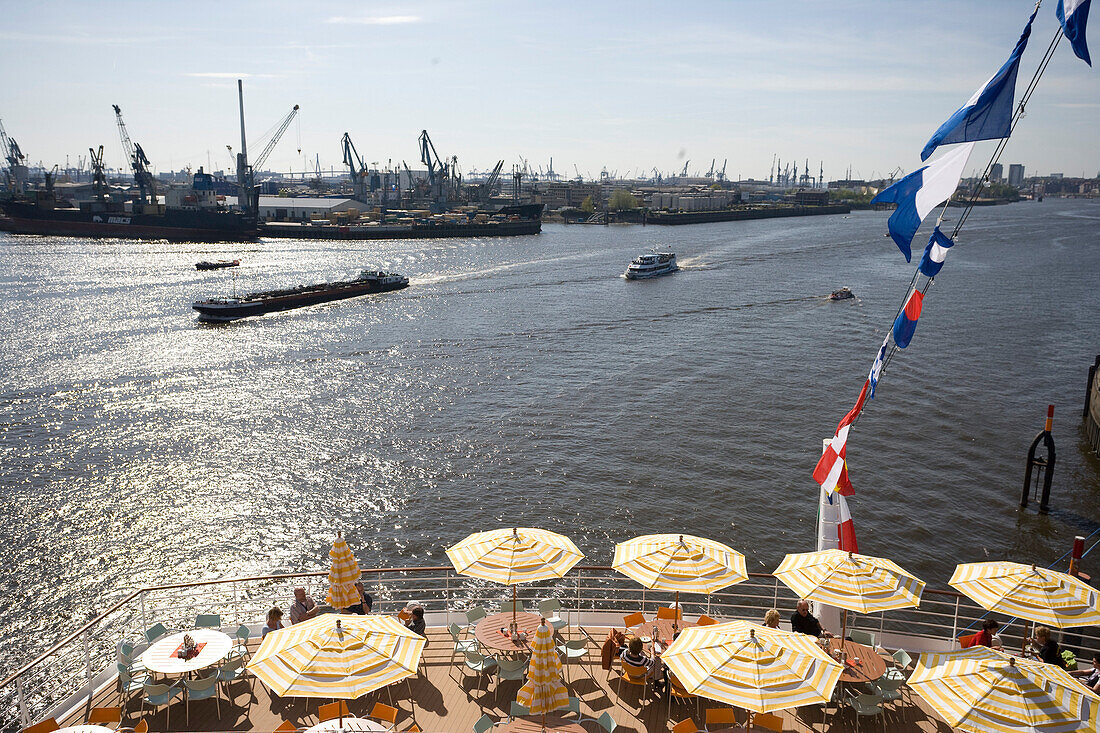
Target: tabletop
(489, 636)
(663, 627)
(871, 665)
(347, 724)
(161, 656)
(85, 729)
(534, 724)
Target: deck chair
(287, 727)
(724, 717)
(768, 721)
(634, 619)
(687, 725)
(705, 620)
(46, 726)
(633, 674)
(98, 716)
(333, 710)
(384, 713)
(669, 613)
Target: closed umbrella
(544, 691)
(513, 556)
(982, 690)
(1040, 595)
(853, 582)
(672, 562)
(753, 667)
(342, 575)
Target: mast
(243, 179)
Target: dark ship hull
(176, 225)
(220, 310)
(406, 231)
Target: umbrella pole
(513, 605)
(676, 613)
(843, 628)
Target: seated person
(803, 622)
(771, 619)
(365, 603)
(989, 627)
(1090, 678)
(634, 653)
(416, 621)
(1048, 647)
(274, 621)
(303, 608)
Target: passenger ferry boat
(651, 265)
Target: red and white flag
(845, 530)
(831, 464)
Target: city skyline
(860, 86)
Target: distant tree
(621, 199)
(587, 206)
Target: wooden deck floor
(446, 697)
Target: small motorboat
(216, 265)
(842, 294)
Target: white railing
(80, 662)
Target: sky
(624, 86)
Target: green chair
(460, 646)
(156, 631)
(126, 655)
(862, 637)
(902, 660)
(208, 621)
(516, 710)
(483, 724)
(511, 606)
(240, 647)
(129, 682)
(474, 615)
(550, 610)
(156, 696)
(510, 669)
(577, 649)
(574, 706)
(203, 688)
(866, 705)
(607, 722)
(230, 672)
(479, 664)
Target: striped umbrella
(342, 575)
(1025, 591)
(543, 692)
(672, 562)
(982, 690)
(853, 582)
(753, 667)
(513, 556)
(337, 656)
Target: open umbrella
(513, 556)
(982, 690)
(543, 692)
(671, 562)
(342, 575)
(853, 582)
(753, 667)
(337, 656)
(1040, 595)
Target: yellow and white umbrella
(342, 575)
(985, 691)
(514, 555)
(544, 691)
(1028, 592)
(337, 656)
(672, 562)
(753, 667)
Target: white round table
(85, 729)
(161, 656)
(345, 724)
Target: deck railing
(86, 658)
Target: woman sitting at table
(416, 621)
(274, 621)
(635, 654)
(771, 618)
(1048, 647)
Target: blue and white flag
(935, 253)
(987, 115)
(921, 191)
(876, 368)
(1073, 14)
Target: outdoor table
(488, 631)
(85, 729)
(347, 723)
(161, 656)
(534, 724)
(871, 664)
(663, 629)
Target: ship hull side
(181, 226)
(222, 313)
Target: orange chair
(633, 674)
(142, 726)
(634, 619)
(769, 721)
(670, 613)
(46, 726)
(705, 620)
(677, 691)
(687, 725)
(287, 727)
(385, 713)
(104, 715)
(333, 710)
(724, 717)
(414, 728)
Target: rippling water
(524, 381)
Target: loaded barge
(510, 221)
(223, 310)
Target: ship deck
(445, 697)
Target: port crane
(722, 173)
(494, 181)
(248, 197)
(99, 180)
(139, 162)
(684, 173)
(710, 173)
(13, 156)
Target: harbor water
(524, 381)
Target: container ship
(222, 310)
(509, 221)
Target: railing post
(236, 606)
(447, 594)
(87, 655)
(24, 716)
(378, 577)
(955, 621)
(578, 603)
(144, 622)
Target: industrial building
(303, 208)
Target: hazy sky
(624, 85)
